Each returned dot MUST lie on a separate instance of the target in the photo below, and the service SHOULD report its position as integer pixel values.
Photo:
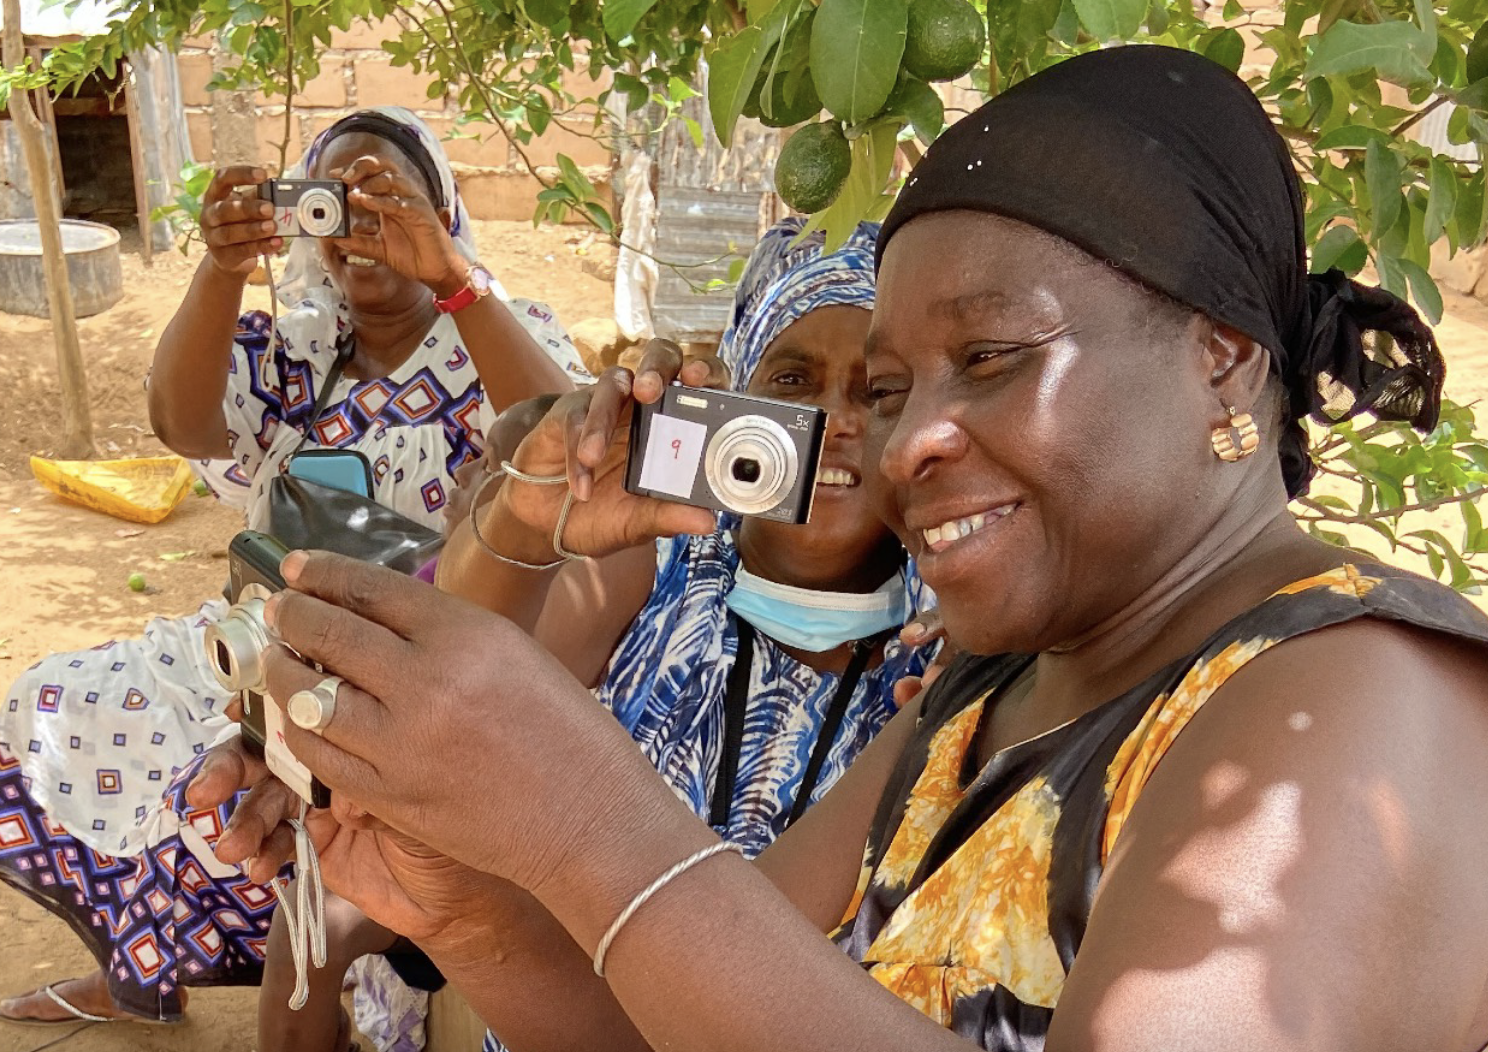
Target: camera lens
(319, 212)
(236, 645)
(751, 464)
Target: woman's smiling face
(1042, 440)
(366, 284)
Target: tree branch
(1420, 115)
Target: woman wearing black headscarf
(1228, 795)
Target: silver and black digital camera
(728, 452)
(236, 646)
(307, 207)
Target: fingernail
(583, 488)
(335, 173)
(293, 563)
(259, 173)
(912, 631)
(271, 610)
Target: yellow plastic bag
(146, 489)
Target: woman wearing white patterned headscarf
(89, 741)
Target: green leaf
(1474, 96)
(1470, 212)
(1233, 9)
(600, 215)
(921, 105)
(1351, 137)
(1443, 201)
(1382, 177)
(732, 70)
(1426, 16)
(548, 13)
(1423, 290)
(1473, 540)
(622, 16)
(1477, 55)
(575, 179)
(1228, 49)
(1331, 246)
(856, 46)
(1333, 10)
(1111, 19)
(1392, 277)
(1390, 49)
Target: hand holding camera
(239, 227)
(585, 435)
(411, 237)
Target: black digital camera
(236, 646)
(307, 207)
(728, 452)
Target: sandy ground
(64, 569)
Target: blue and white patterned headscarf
(787, 278)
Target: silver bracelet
(508, 468)
(486, 545)
(651, 889)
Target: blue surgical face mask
(817, 621)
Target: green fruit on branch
(945, 39)
(812, 167)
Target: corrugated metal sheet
(1432, 132)
(711, 228)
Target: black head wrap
(404, 138)
(1164, 163)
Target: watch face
(480, 280)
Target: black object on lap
(304, 514)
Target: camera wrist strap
(304, 919)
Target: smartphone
(343, 469)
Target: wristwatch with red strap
(477, 286)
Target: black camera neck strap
(736, 711)
(345, 345)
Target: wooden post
(137, 165)
(77, 424)
(48, 116)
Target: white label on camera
(673, 453)
(280, 761)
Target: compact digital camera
(307, 207)
(728, 452)
(235, 649)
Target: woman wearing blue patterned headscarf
(670, 673)
(814, 608)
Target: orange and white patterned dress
(977, 884)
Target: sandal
(74, 1015)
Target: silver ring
(314, 709)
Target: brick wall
(355, 73)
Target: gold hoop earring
(1238, 439)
